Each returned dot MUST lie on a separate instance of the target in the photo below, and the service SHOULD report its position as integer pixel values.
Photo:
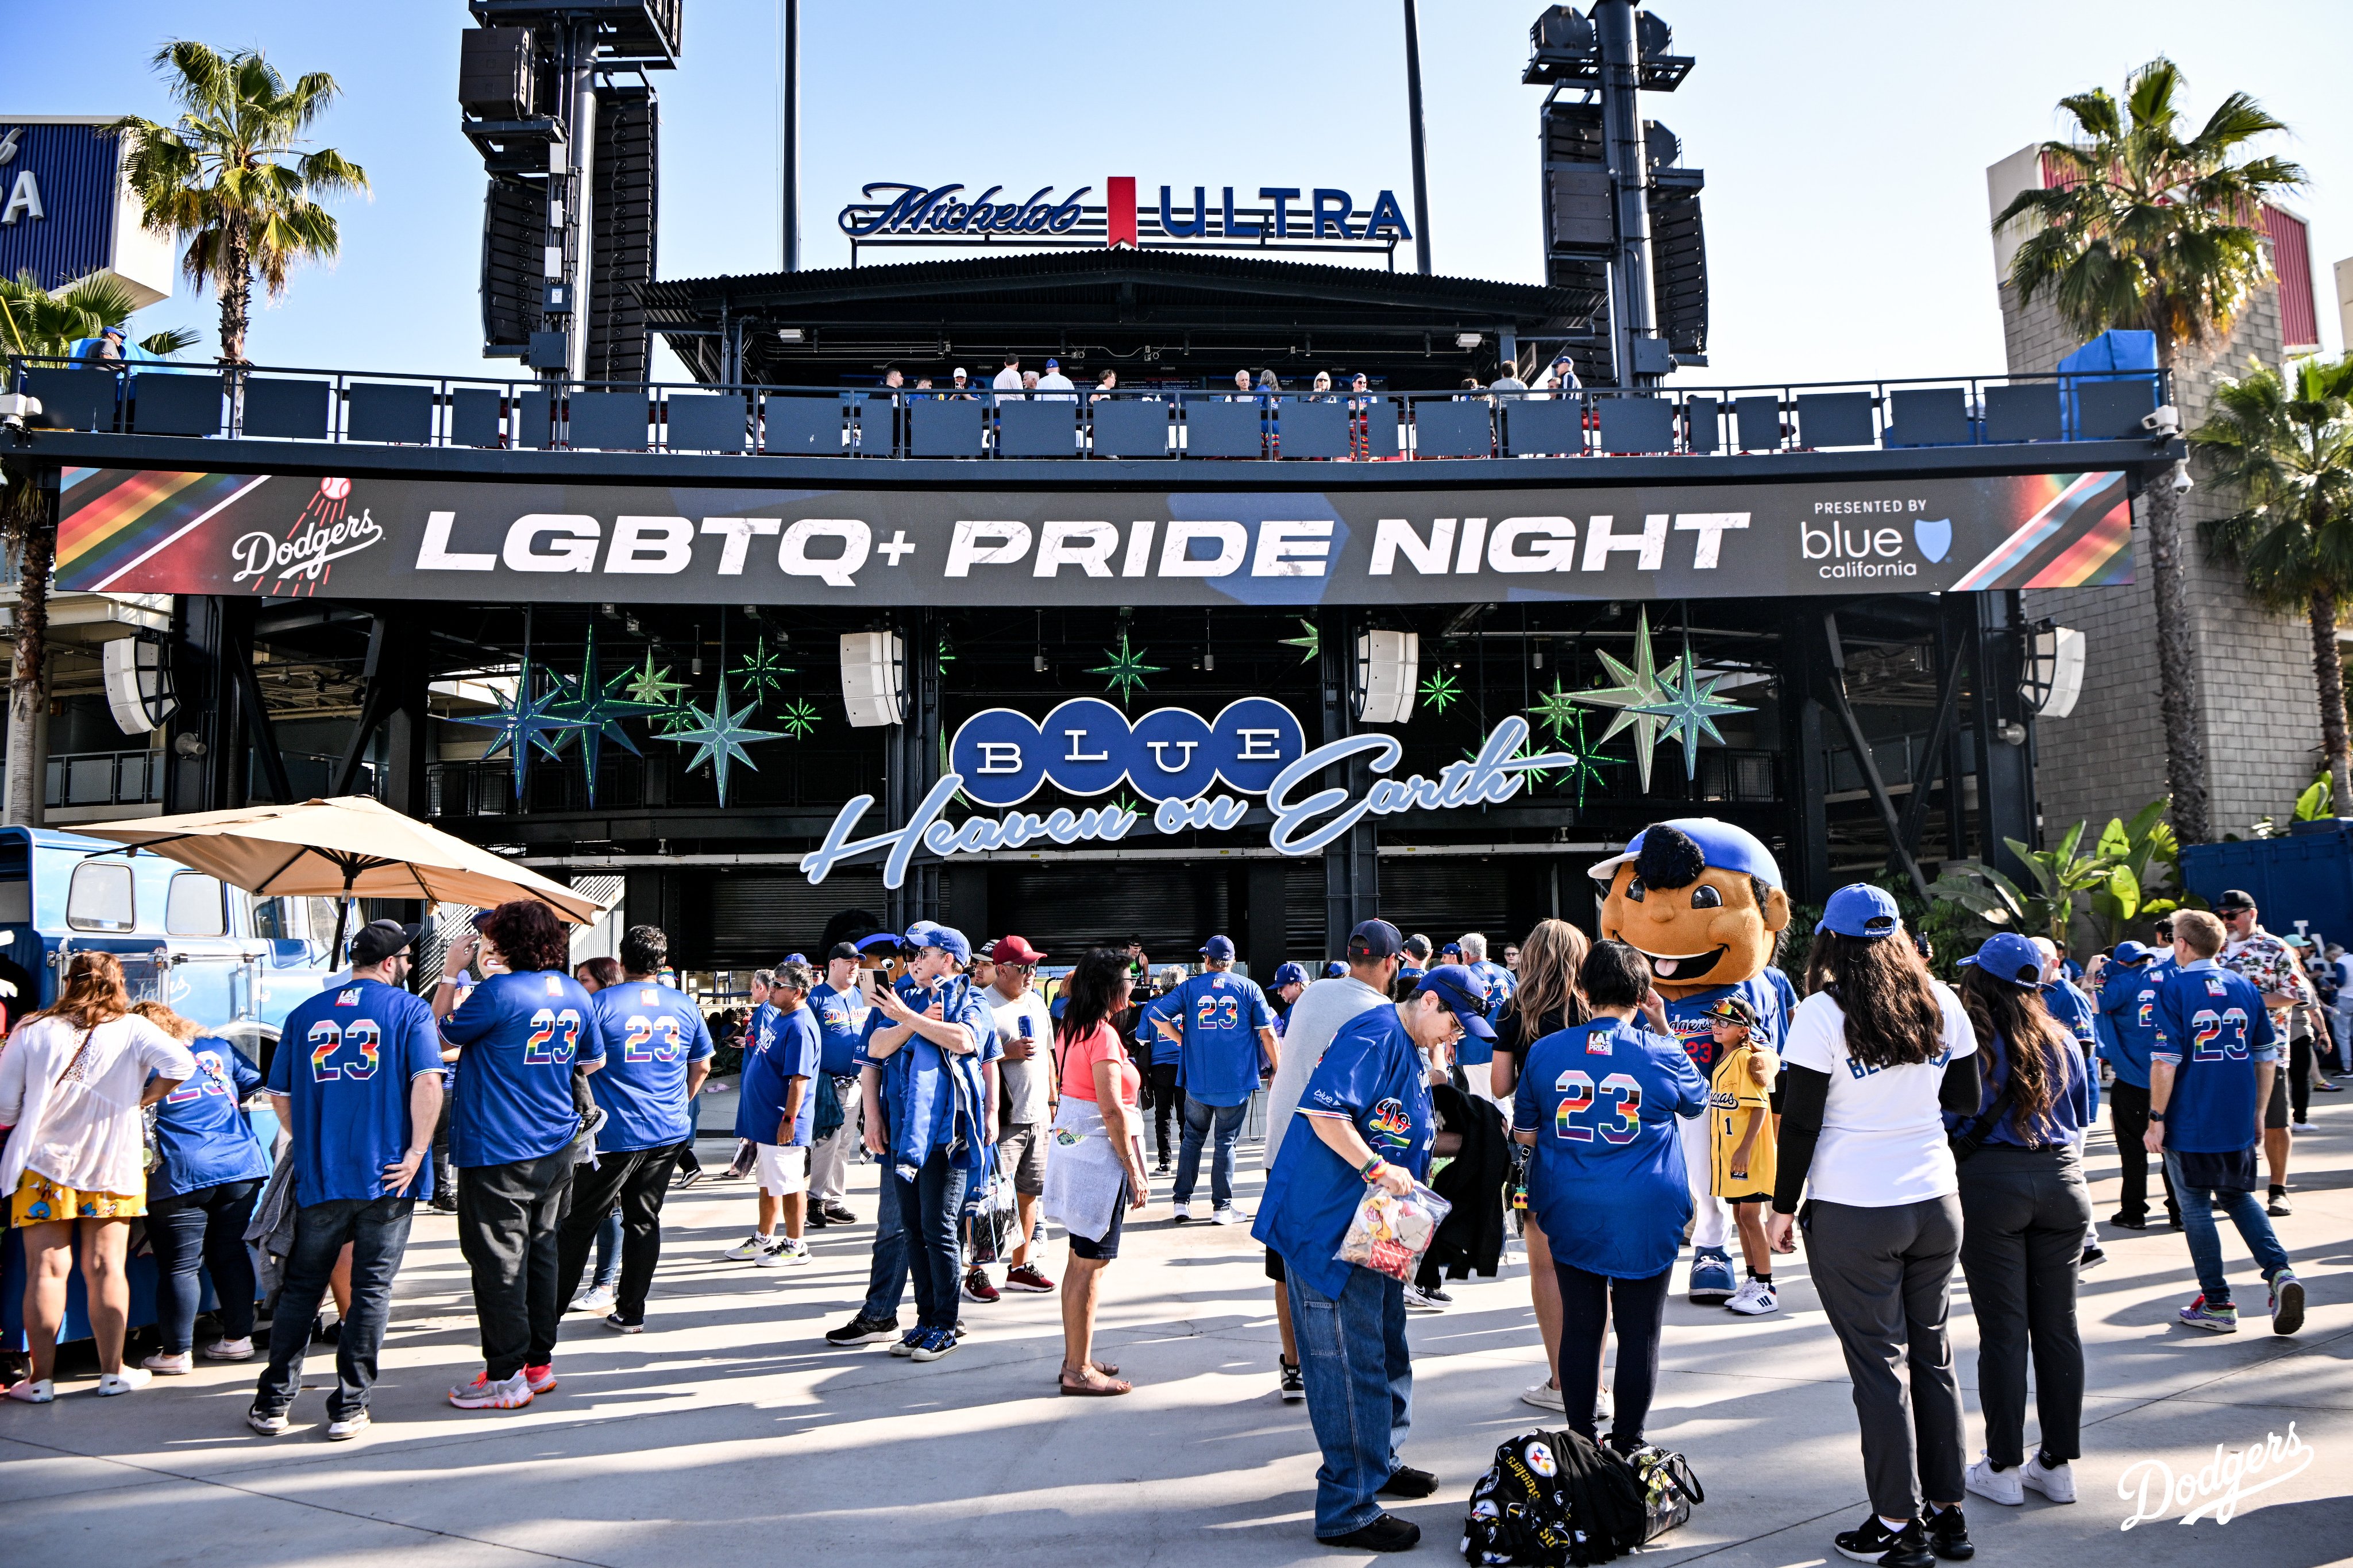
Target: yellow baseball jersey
(1735, 1102)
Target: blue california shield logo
(1932, 538)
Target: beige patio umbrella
(345, 847)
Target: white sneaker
(751, 1247)
(2056, 1482)
(1183, 1212)
(597, 1298)
(170, 1365)
(1753, 1299)
(1418, 1301)
(129, 1379)
(1227, 1215)
(349, 1428)
(1602, 1407)
(34, 1391)
(787, 1254)
(228, 1350)
(1996, 1486)
(1543, 1396)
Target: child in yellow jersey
(1741, 1149)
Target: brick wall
(2255, 695)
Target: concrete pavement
(730, 1434)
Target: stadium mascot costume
(1702, 900)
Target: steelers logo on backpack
(1554, 1500)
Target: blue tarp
(2114, 355)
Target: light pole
(1413, 127)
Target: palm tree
(2154, 230)
(2284, 443)
(39, 323)
(217, 177)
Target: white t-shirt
(1023, 1085)
(1315, 1018)
(1883, 1142)
(81, 1128)
(1008, 379)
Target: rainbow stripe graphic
(2052, 548)
(107, 529)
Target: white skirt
(1085, 1177)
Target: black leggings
(1587, 1303)
(2299, 1075)
(1167, 1105)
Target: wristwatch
(2156, 1116)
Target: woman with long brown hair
(1096, 1172)
(1872, 1059)
(2025, 1211)
(73, 1082)
(1545, 1002)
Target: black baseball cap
(380, 939)
(840, 950)
(2235, 899)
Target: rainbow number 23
(2219, 1034)
(327, 1040)
(544, 1023)
(1578, 1092)
(640, 1030)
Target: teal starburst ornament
(595, 707)
(1689, 707)
(798, 718)
(719, 735)
(525, 720)
(1557, 711)
(1125, 670)
(654, 687)
(1310, 640)
(1634, 689)
(1439, 691)
(762, 671)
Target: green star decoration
(762, 671)
(798, 718)
(528, 717)
(1439, 691)
(718, 736)
(1125, 670)
(1533, 775)
(1586, 770)
(1636, 690)
(1689, 706)
(1311, 640)
(1557, 710)
(654, 687)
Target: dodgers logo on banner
(1086, 746)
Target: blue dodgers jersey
(1372, 1075)
(1221, 1014)
(1606, 1178)
(521, 1034)
(2128, 1011)
(1471, 1050)
(202, 1138)
(2212, 1027)
(840, 1025)
(345, 1059)
(650, 1033)
(934, 1098)
(1164, 1049)
(2069, 1113)
(760, 1097)
(1687, 1016)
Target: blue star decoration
(597, 706)
(529, 716)
(717, 735)
(1687, 707)
(762, 671)
(1125, 670)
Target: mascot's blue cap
(1724, 847)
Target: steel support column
(913, 766)
(2006, 807)
(1805, 781)
(1351, 872)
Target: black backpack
(1555, 1500)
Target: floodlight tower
(1618, 207)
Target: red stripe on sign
(1119, 211)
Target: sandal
(1088, 1389)
(1108, 1368)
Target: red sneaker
(1025, 1277)
(977, 1287)
(541, 1378)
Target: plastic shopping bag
(1389, 1233)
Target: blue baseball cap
(1721, 845)
(1464, 994)
(2010, 957)
(1374, 939)
(947, 938)
(1860, 909)
(1289, 974)
(1218, 947)
(2133, 953)
(1333, 969)
(878, 939)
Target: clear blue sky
(1845, 142)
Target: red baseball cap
(1013, 950)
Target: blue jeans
(2198, 1228)
(928, 1207)
(609, 1249)
(886, 1281)
(192, 1231)
(1199, 1122)
(1359, 1375)
(378, 1232)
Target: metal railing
(103, 778)
(1090, 426)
